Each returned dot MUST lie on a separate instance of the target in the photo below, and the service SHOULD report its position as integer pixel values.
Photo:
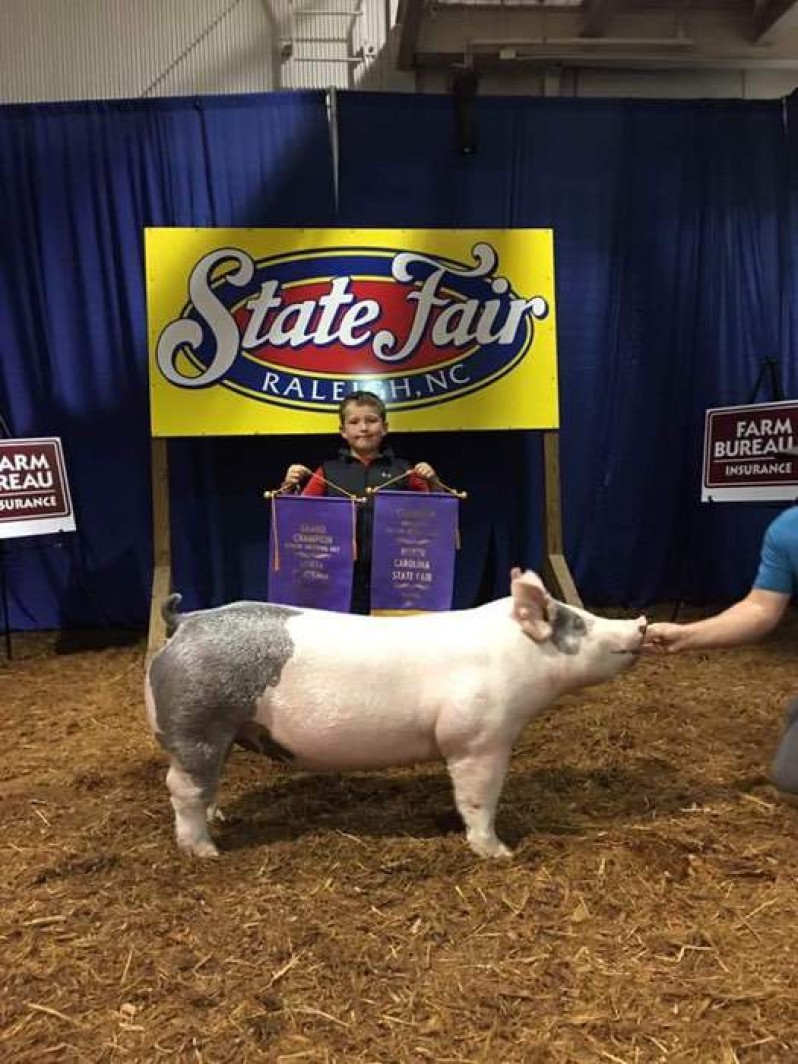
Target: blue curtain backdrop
(670, 223)
(674, 239)
(78, 184)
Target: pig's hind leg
(192, 788)
(477, 779)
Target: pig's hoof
(501, 851)
(203, 848)
(492, 849)
(215, 815)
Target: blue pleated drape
(670, 220)
(675, 239)
(78, 185)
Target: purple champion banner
(311, 552)
(412, 566)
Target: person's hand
(426, 472)
(294, 475)
(665, 637)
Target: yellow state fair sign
(267, 330)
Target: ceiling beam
(410, 13)
(773, 17)
(605, 58)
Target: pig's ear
(533, 607)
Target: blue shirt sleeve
(778, 564)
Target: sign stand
(161, 546)
(770, 372)
(556, 574)
(770, 368)
(36, 499)
(5, 434)
(4, 598)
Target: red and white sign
(34, 492)
(751, 453)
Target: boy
(363, 462)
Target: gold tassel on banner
(286, 490)
(275, 537)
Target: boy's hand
(426, 472)
(665, 637)
(294, 474)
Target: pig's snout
(641, 624)
(633, 642)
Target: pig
(329, 691)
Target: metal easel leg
(4, 598)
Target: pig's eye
(569, 627)
(576, 624)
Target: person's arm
(294, 476)
(422, 477)
(750, 619)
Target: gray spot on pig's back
(208, 678)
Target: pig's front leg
(478, 780)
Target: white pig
(329, 691)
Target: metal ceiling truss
(490, 34)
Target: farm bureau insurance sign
(34, 493)
(264, 330)
(751, 453)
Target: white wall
(104, 49)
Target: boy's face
(363, 429)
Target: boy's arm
(422, 477)
(294, 476)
